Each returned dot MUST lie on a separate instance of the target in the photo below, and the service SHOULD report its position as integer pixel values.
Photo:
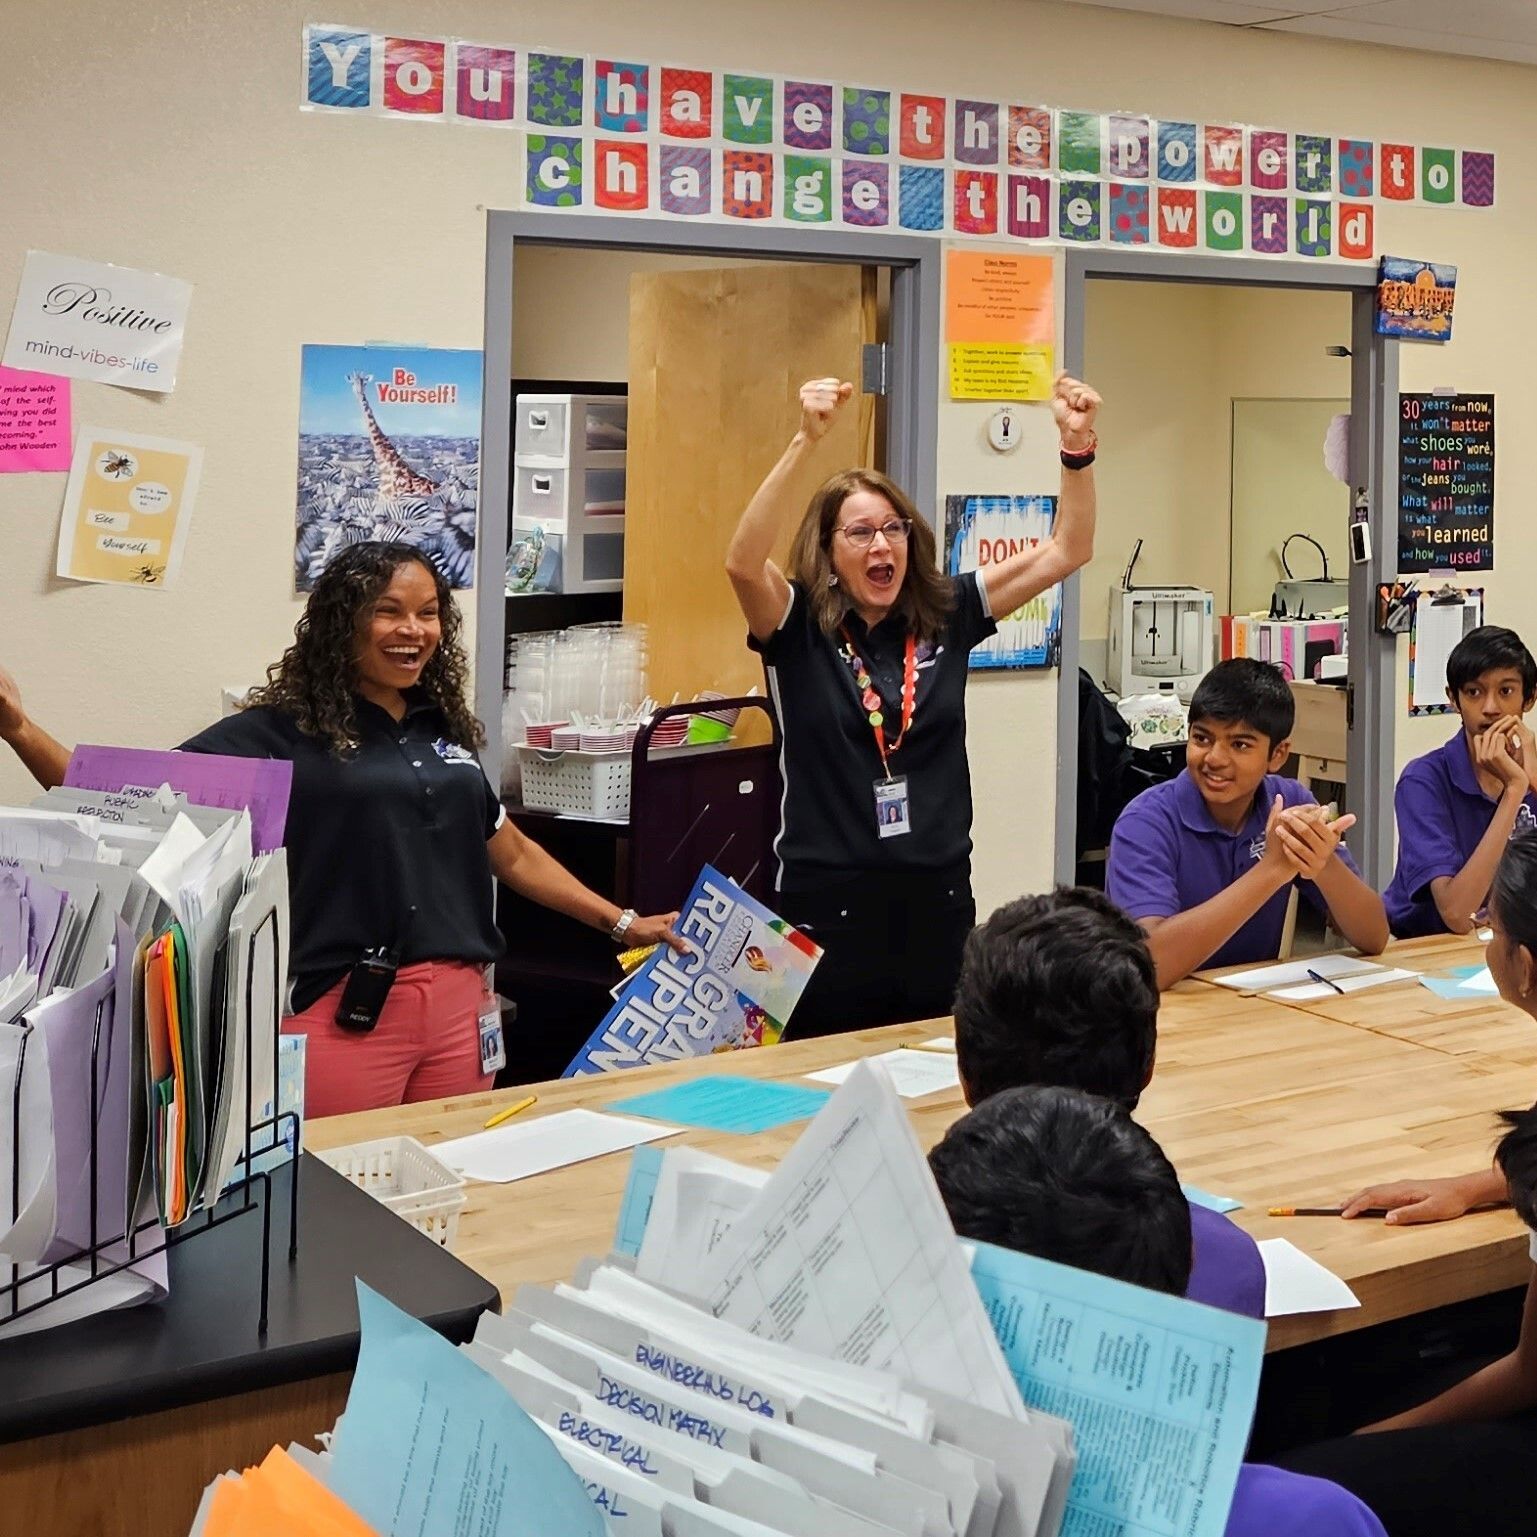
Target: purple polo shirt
(1442, 813)
(1228, 1272)
(1167, 855)
(1270, 1502)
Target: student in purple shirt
(1458, 807)
(1204, 862)
(1072, 1178)
(1059, 989)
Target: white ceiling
(1487, 29)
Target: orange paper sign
(999, 297)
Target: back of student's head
(1513, 892)
(1243, 690)
(1517, 1158)
(1483, 650)
(1067, 1177)
(1057, 989)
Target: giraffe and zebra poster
(389, 448)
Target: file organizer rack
(98, 1255)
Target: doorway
(1222, 374)
(666, 368)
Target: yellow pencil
(511, 1110)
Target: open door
(716, 358)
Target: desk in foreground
(114, 1425)
(1269, 1104)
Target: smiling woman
(865, 646)
(393, 838)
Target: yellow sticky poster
(1001, 371)
(127, 508)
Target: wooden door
(716, 359)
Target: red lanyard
(872, 701)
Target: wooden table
(1269, 1103)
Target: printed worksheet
(1159, 1391)
(848, 1251)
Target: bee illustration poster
(127, 508)
(389, 448)
(737, 986)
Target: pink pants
(426, 1044)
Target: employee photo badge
(891, 810)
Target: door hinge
(876, 368)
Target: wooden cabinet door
(716, 359)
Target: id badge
(891, 818)
(493, 1050)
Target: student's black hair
(1513, 892)
(1517, 1158)
(1244, 690)
(1057, 989)
(1067, 1177)
(1488, 647)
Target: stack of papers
(1298, 981)
(844, 1367)
(124, 1016)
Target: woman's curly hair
(315, 680)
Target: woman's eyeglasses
(862, 535)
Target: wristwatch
(622, 925)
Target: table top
(1273, 1104)
(201, 1343)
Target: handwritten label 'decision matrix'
(1445, 483)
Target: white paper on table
(1346, 984)
(1265, 979)
(1480, 982)
(851, 1225)
(913, 1073)
(1296, 1283)
(937, 1043)
(506, 1153)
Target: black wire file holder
(112, 1254)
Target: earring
(832, 580)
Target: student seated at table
(1070, 1177)
(1204, 862)
(1462, 1461)
(1458, 807)
(1059, 990)
(1512, 957)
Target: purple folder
(257, 785)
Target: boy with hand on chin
(1458, 807)
(1205, 862)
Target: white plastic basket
(403, 1175)
(578, 784)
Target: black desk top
(201, 1343)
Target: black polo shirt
(829, 758)
(385, 847)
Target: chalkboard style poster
(1445, 483)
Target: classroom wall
(1170, 360)
(167, 135)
